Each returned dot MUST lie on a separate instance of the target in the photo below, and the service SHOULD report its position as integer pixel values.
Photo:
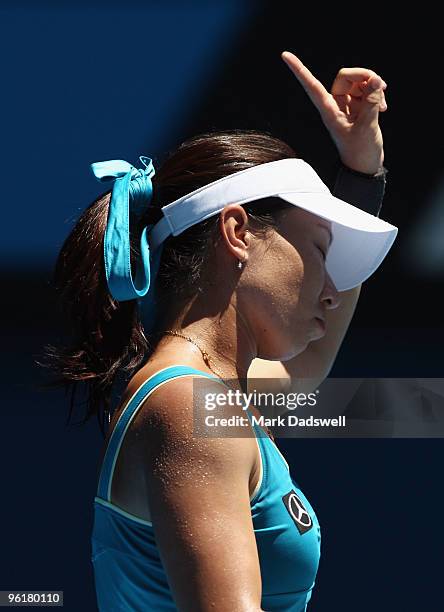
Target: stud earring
(240, 264)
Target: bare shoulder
(172, 422)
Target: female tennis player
(232, 260)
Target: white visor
(360, 240)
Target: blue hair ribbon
(132, 188)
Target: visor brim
(360, 241)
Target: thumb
(372, 98)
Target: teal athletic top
(128, 572)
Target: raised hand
(350, 112)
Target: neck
(225, 336)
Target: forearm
(308, 369)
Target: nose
(330, 297)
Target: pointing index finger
(313, 87)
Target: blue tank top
(128, 572)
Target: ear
(234, 229)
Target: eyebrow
(327, 230)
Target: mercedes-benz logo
(297, 511)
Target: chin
(285, 355)
(287, 341)
(297, 351)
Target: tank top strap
(250, 418)
(127, 415)
(266, 444)
(261, 433)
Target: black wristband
(366, 191)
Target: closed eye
(324, 255)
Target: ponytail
(107, 337)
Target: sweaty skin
(197, 490)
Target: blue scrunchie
(132, 187)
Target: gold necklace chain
(204, 353)
(206, 358)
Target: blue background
(92, 81)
